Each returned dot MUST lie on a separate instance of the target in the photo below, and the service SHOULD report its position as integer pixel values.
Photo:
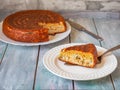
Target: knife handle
(79, 27)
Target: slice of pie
(83, 55)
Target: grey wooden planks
(3, 47)
(47, 80)
(18, 65)
(81, 37)
(110, 31)
(17, 68)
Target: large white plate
(57, 67)
(53, 39)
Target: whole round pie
(33, 25)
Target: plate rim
(13, 42)
(71, 78)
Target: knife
(81, 28)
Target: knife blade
(81, 28)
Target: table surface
(21, 67)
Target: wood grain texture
(90, 14)
(3, 47)
(32, 4)
(110, 31)
(81, 8)
(18, 5)
(17, 68)
(45, 80)
(81, 5)
(62, 5)
(81, 37)
(9, 6)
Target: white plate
(57, 67)
(53, 39)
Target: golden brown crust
(88, 49)
(24, 25)
(27, 35)
(85, 48)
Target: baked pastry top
(83, 55)
(33, 25)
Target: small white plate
(53, 39)
(57, 67)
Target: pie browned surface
(33, 25)
(83, 55)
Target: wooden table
(21, 67)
